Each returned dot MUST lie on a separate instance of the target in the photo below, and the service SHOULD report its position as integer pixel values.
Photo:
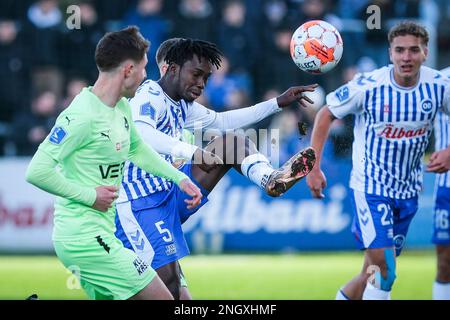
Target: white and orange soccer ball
(316, 47)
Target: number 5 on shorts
(161, 230)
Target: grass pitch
(273, 277)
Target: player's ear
(172, 68)
(127, 68)
(163, 69)
(390, 54)
(425, 53)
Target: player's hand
(105, 197)
(188, 187)
(207, 161)
(439, 161)
(294, 94)
(316, 182)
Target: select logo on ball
(316, 47)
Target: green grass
(299, 276)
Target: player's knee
(386, 277)
(174, 285)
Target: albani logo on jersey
(391, 131)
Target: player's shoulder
(360, 83)
(82, 105)
(430, 75)
(370, 79)
(76, 118)
(446, 72)
(150, 86)
(148, 92)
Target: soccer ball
(316, 47)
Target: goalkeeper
(81, 161)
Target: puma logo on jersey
(68, 120)
(105, 134)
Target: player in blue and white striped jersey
(150, 209)
(395, 108)
(441, 226)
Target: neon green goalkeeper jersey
(91, 142)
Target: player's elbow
(324, 118)
(325, 114)
(30, 175)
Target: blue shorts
(380, 222)
(441, 226)
(151, 226)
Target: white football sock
(441, 291)
(373, 293)
(257, 168)
(340, 295)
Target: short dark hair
(118, 46)
(185, 49)
(161, 52)
(408, 28)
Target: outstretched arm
(316, 179)
(243, 117)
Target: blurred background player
(150, 210)
(441, 234)
(90, 141)
(394, 110)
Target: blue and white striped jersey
(151, 105)
(392, 128)
(442, 138)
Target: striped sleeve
(147, 105)
(347, 99)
